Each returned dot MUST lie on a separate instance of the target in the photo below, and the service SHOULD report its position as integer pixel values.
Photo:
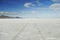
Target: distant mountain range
(3, 16)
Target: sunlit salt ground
(29, 29)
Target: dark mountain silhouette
(3, 16)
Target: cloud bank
(55, 6)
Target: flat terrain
(29, 29)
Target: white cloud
(33, 12)
(56, 9)
(55, 6)
(27, 5)
(8, 13)
(29, 12)
(1, 12)
(38, 3)
(56, 0)
(32, 4)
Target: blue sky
(16, 5)
(31, 8)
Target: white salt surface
(29, 29)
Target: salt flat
(29, 29)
